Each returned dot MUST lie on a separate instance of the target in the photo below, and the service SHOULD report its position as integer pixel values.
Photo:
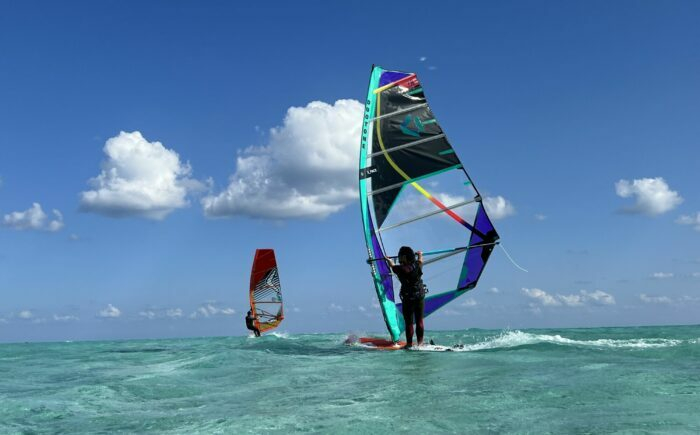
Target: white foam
(510, 339)
(282, 334)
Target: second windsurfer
(250, 323)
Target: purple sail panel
(391, 77)
(473, 265)
(381, 265)
(432, 303)
(476, 257)
(483, 223)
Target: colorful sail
(414, 191)
(265, 291)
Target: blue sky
(581, 116)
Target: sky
(148, 148)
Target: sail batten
(406, 177)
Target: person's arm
(420, 257)
(389, 262)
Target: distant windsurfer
(250, 323)
(409, 271)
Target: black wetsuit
(413, 298)
(250, 324)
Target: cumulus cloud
(469, 302)
(335, 307)
(110, 312)
(494, 290)
(139, 178)
(540, 217)
(584, 297)
(598, 297)
(422, 58)
(662, 275)
(542, 296)
(693, 221)
(498, 207)
(25, 314)
(174, 313)
(149, 314)
(34, 218)
(210, 309)
(307, 170)
(68, 318)
(655, 299)
(652, 195)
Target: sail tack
(266, 291)
(415, 191)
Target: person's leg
(257, 332)
(418, 313)
(407, 309)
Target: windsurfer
(250, 323)
(409, 271)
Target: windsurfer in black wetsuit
(250, 323)
(409, 271)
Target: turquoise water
(534, 381)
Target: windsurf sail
(415, 191)
(266, 291)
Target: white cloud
(335, 307)
(210, 309)
(655, 299)
(174, 313)
(33, 218)
(74, 237)
(662, 275)
(542, 296)
(540, 217)
(110, 312)
(307, 170)
(695, 274)
(599, 297)
(469, 302)
(423, 58)
(584, 297)
(432, 68)
(139, 178)
(296, 309)
(494, 290)
(149, 314)
(3, 320)
(571, 300)
(25, 314)
(68, 318)
(691, 220)
(653, 195)
(361, 308)
(498, 207)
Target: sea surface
(600, 380)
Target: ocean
(597, 380)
